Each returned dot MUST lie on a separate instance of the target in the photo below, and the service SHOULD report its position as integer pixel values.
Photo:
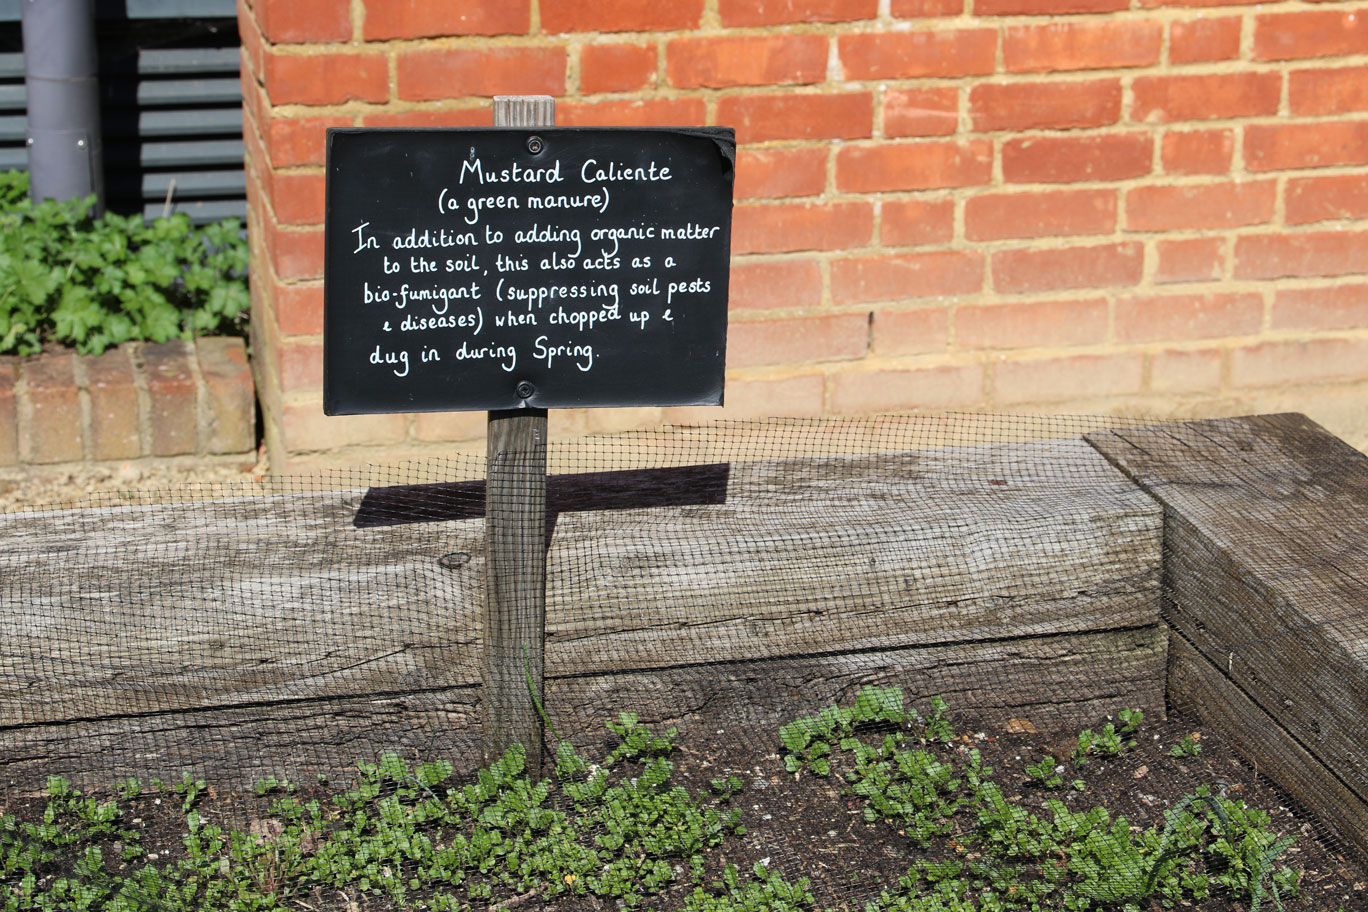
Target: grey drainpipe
(62, 78)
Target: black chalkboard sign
(548, 268)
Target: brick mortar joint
(23, 415)
(29, 433)
(203, 410)
(358, 108)
(710, 23)
(144, 398)
(81, 377)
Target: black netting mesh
(915, 664)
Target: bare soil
(37, 487)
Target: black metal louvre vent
(171, 106)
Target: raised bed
(1266, 584)
(349, 621)
(1031, 583)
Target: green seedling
(405, 836)
(807, 749)
(638, 741)
(938, 727)
(1013, 859)
(880, 705)
(400, 837)
(911, 788)
(766, 891)
(190, 789)
(1188, 746)
(1248, 847)
(267, 784)
(727, 786)
(809, 741)
(1046, 772)
(1106, 743)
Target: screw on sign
(513, 270)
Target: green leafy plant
(727, 786)
(929, 887)
(809, 740)
(92, 283)
(638, 741)
(403, 835)
(190, 789)
(412, 836)
(806, 748)
(911, 787)
(1187, 746)
(1046, 772)
(1010, 858)
(938, 727)
(881, 704)
(1108, 742)
(267, 784)
(14, 187)
(1247, 848)
(767, 891)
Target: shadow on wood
(630, 489)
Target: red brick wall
(1062, 205)
(144, 404)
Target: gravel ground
(37, 488)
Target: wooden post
(515, 529)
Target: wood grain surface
(1266, 569)
(258, 602)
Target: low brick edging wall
(140, 401)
